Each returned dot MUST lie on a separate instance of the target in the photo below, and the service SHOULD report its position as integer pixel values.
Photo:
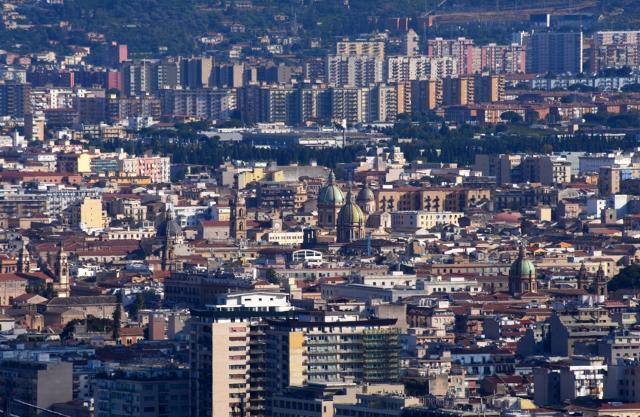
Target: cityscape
(319, 208)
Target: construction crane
(433, 10)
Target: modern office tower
(420, 67)
(324, 347)
(615, 49)
(372, 49)
(227, 356)
(354, 71)
(14, 99)
(162, 391)
(503, 59)
(426, 95)
(196, 72)
(461, 49)
(555, 52)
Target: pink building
(503, 59)
(461, 49)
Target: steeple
(24, 259)
(172, 237)
(61, 270)
(582, 277)
(238, 223)
(600, 283)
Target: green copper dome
(350, 213)
(522, 267)
(330, 194)
(365, 195)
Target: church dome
(365, 195)
(330, 194)
(522, 267)
(350, 214)
(169, 227)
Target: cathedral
(351, 221)
(522, 275)
(330, 200)
(596, 285)
(171, 232)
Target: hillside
(146, 25)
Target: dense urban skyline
(303, 208)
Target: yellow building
(410, 221)
(74, 162)
(89, 215)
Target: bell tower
(238, 223)
(24, 259)
(582, 277)
(600, 284)
(61, 270)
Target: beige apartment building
(411, 221)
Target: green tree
(628, 278)
(511, 117)
(117, 319)
(272, 276)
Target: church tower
(172, 235)
(238, 223)
(582, 277)
(61, 270)
(24, 259)
(600, 284)
(522, 275)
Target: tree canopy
(628, 278)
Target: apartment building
(331, 347)
(374, 49)
(144, 391)
(24, 384)
(555, 52)
(615, 49)
(411, 221)
(460, 49)
(157, 168)
(228, 353)
(420, 67)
